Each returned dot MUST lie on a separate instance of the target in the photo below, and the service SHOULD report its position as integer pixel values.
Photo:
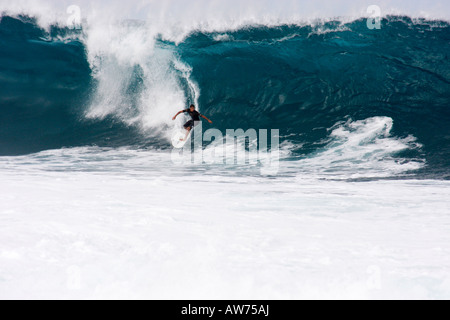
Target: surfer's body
(195, 119)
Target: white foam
(90, 223)
(358, 149)
(114, 55)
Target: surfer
(195, 119)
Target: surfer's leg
(188, 130)
(188, 126)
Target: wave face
(66, 88)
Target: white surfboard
(177, 137)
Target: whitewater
(347, 199)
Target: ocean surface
(93, 205)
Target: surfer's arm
(182, 111)
(205, 118)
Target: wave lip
(177, 18)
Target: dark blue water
(300, 80)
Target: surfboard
(177, 135)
